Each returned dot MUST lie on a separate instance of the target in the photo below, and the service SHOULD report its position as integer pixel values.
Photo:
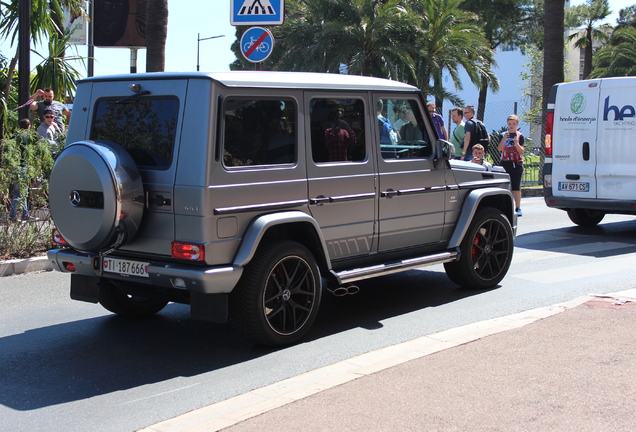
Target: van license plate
(574, 186)
(126, 267)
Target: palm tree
(369, 37)
(506, 24)
(619, 58)
(156, 34)
(553, 47)
(588, 14)
(449, 39)
(45, 19)
(55, 71)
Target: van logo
(619, 114)
(75, 198)
(577, 104)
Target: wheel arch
(292, 225)
(498, 198)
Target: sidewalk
(570, 367)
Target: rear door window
(146, 128)
(259, 132)
(337, 130)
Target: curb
(239, 408)
(532, 192)
(20, 266)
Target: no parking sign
(257, 44)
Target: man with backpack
(476, 133)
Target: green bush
(29, 167)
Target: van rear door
(616, 143)
(574, 141)
(147, 125)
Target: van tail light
(549, 122)
(188, 251)
(57, 237)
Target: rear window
(145, 128)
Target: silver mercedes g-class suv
(245, 194)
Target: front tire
(486, 251)
(277, 299)
(585, 218)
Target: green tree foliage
(587, 15)
(369, 37)
(506, 25)
(626, 17)
(415, 41)
(449, 39)
(9, 100)
(619, 57)
(46, 19)
(55, 71)
(34, 160)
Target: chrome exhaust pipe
(342, 291)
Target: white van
(590, 163)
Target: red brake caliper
(474, 250)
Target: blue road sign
(257, 12)
(257, 44)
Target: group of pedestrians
(50, 113)
(466, 137)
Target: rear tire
(277, 299)
(486, 251)
(585, 218)
(116, 301)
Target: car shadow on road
(603, 240)
(82, 359)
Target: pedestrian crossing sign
(256, 12)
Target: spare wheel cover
(96, 195)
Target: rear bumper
(205, 280)
(602, 205)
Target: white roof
(274, 79)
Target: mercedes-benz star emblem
(75, 198)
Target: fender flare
(259, 226)
(470, 206)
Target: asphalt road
(72, 366)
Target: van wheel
(116, 301)
(585, 218)
(276, 301)
(486, 251)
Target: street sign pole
(257, 43)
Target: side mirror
(444, 150)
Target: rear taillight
(549, 122)
(188, 251)
(57, 237)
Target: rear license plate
(574, 186)
(126, 267)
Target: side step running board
(347, 276)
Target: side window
(337, 130)
(402, 130)
(144, 127)
(259, 132)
